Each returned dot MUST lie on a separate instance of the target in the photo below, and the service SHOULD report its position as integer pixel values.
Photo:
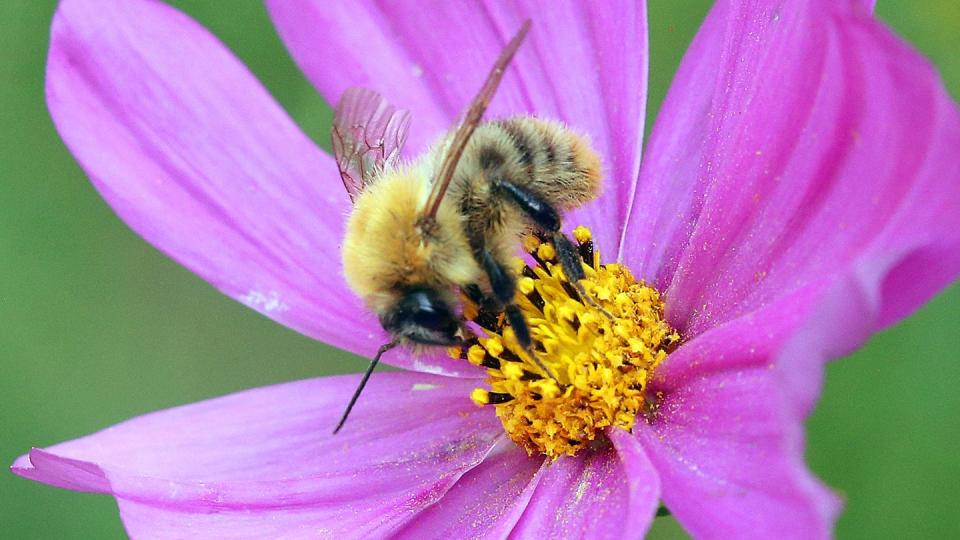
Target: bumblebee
(450, 221)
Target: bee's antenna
(474, 114)
(363, 382)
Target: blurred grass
(96, 326)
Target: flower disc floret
(590, 360)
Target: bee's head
(423, 317)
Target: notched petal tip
(22, 464)
(49, 468)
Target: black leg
(363, 382)
(522, 333)
(547, 218)
(570, 260)
(538, 210)
(569, 257)
(504, 288)
(475, 294)
(488, 309)
(519, 325)
(502, 284)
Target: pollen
(590, 361)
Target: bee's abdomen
(543, 156)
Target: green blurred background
(96, 326)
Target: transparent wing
(367, 135)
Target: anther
(589, 349)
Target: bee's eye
(428, 317)
(422, 316)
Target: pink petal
(727, 439)
(195, 156)
(485, 503)
(585, 64)
(609, 492)
(264, 462)
(802, 141)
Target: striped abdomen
(516, 174)
(543, 156)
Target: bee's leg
(504, 288)
(573, 268)
(475, 294)
(488, 309)
(547, 218)
(481, 300)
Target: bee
(447, 223)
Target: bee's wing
(367, 135)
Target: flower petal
(195, 156)
(727, 437)
(585, 64)
(610, 492)
(801, 141)
(486, 502)
(264, 462)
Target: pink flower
(800, 191)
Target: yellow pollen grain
(480, 396)
(526, 285)
(546, 252)
(511, 371)
(530, 243)
(582, 234)
(599, 363)
(476, 354)
(494, 347)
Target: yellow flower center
(598, 354)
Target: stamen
(597, 353)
